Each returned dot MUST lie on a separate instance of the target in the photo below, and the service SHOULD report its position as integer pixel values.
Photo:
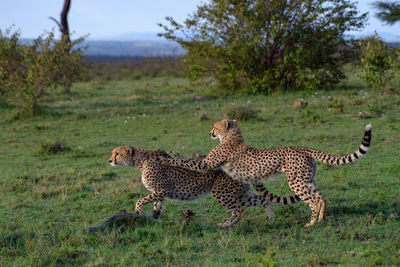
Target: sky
(124, 19)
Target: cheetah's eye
(116, 154)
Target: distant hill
(134, 36)
(150, 45)
(386, 36)
(394, 44)
(126, 48)
(140, 48)
(134, 45)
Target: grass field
(48, 199)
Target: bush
(266, 45)
(337, 106)
(240, 112)
(311, 116)
(376, 62)
(28, 71)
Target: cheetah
(182, 184)
(252, 165)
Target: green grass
(48, 196)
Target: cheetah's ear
(225, 124)
(231, 124)
(131, 150)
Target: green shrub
(337, 106)
(311, 116)
(376, 62)
(240, 112)
(29, 71)
(265, 260)
(261, 45)
(375, 109)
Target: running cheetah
(182, 184)
(247, 164)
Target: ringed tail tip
(368, 127)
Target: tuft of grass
(107, 175)
(240, 112)
(375, 109)
(81, 116)
(53, 147)
(258, 259)
(337, 106)
(203, 117)
(311, 116)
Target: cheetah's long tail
(274, 198)
(336, 160)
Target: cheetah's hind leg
(237, 214)
(321, 215)
(309, 193)
(250, 199)
(228, 192)
(303, 185)
(319, 202)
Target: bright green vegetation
(29, 71)
(49, 194)
(262, 46)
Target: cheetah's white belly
(242, 173)
(149, 186)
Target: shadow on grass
(14, 240)
(11, 240)
(349, 87)
(372, 207)
(4, 104)
(124, 220)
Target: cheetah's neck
(233, 136)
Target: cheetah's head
(222, 129)
(123, 155)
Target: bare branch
(56, 21)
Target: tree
(63, 24)
(29, 71)
(377, 63)
(71, 68)
(388, 12)
(267, 44)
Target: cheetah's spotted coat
(182, 184)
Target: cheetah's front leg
(153, 197)
(156, 210)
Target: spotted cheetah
(182, 184)
(247, 164)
